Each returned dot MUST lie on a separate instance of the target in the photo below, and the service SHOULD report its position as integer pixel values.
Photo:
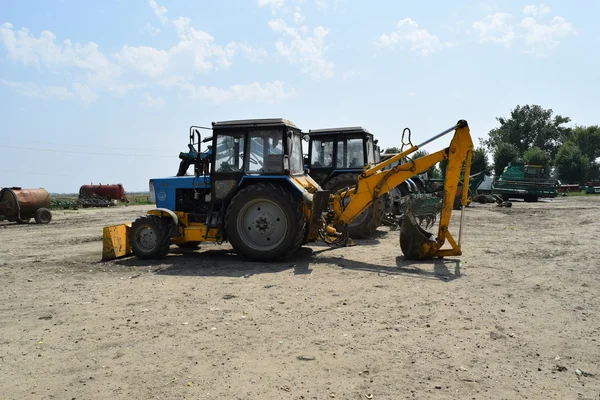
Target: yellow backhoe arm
(375, 181)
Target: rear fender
(175, 228)
(286, 181)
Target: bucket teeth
(415, 242)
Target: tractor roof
(339, 131)
(254, 123)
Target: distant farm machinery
(93, 196)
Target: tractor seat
(273, 163)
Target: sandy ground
(515, 317)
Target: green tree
(594, 171)
(537, 156)
(392, 150)
(503, 154)
(480, 162)
(433, 172)
(443, 165)
(587, 138)
(530, 126)
(572, 165)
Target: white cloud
(52, 92)
(298, 17)
(321, 3)
(409, 35)
(147, 60)
(541, 39)
(536, 10)
(85, 94)
(203, 50)
(270, 92)
(46, 92)
(301, 48)
(496, 29)
(253, 53)
(151, 30)
(90, 72)
(23, 47)
(350, 74)
(324, 4)
(274, 4)
(159, 11)
(153, 102)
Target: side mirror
(306, 138)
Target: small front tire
(43, 216)
(149, 237)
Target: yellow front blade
(115, 242)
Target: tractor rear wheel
(43, 216)
(149, 237)
(365, 224)
(265, 222)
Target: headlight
(152, 195)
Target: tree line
(534, 135)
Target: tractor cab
(336, 157)
(336, 151)
(245, 150)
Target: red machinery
(111, 192)
(101, 195)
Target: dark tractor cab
(376, 151)
(336, 151)
(336, 156)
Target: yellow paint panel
(115, 241)
(197, 233)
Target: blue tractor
(248, 188)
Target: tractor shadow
(226, 263)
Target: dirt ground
(516, 316)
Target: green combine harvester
(592, 187)
(525, 181)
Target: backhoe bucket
(415, 242)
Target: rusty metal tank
(112, 192)
(20, 205)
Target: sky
(105, 92)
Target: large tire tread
(43, 216)
(297, 222)
(162, 226)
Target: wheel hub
(147, 238)
(262, 224)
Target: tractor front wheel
(265, 222)
(149, 237)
